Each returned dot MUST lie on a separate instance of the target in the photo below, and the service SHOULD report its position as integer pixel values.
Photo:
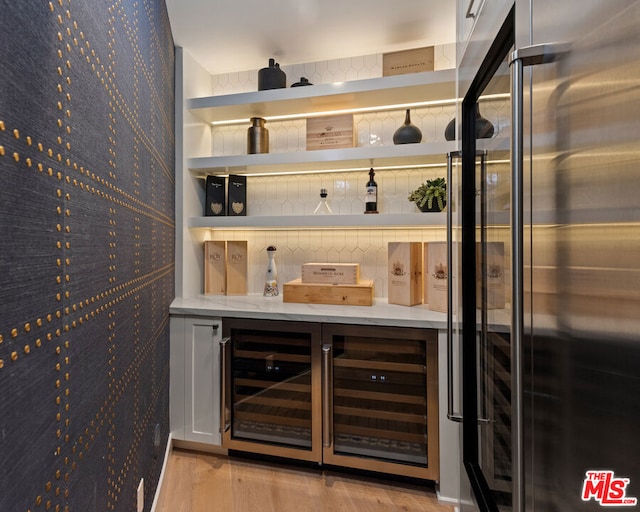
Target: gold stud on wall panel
(87, 223)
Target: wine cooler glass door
(378, 413)
(272, 389)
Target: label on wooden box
(331, 273)
(494, 276)
(405, 273)
(330, 132)
(436, 276)
(404, 62)
(360, 294)
(237, 267)
(215, 277)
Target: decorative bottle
(257, 137)
(271, 279)
(408, 133)
(371, 199)
(323, 207)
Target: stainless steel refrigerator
(545, 213)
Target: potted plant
(431, 196)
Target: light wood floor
(200, 482)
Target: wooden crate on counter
(331, 273)
(360, 294)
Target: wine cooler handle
(526, 56)
(327, 402)
(225, 415)
(451, 415)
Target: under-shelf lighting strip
(353, 169)
(361, 110)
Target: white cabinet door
(195, 379)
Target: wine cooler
(381, 399)
(271, 400)
(346, 395)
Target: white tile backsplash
(324, 72)
(300, 194)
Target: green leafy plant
(429, 193)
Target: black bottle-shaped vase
(408, 133)
(484, 127)
(271, 77)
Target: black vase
(303, 82)
(272, 77)
(484, 128)
(407, 133)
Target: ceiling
(227, 36)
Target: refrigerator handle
(225, 415)
(327, 405)
(526, 56)
(451, 414)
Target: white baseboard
(167, 454)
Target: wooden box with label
(331, 273)
(237, 267)
(215, 272)
(494, 275)
(330, 132)
(436, 276)
(405, 273)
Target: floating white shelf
(361, 221)
(378, 93)
(409, 155)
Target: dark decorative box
(237, 196)
(215, 203)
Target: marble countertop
(272, 308)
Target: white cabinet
(194, 399)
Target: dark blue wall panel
(86, 251)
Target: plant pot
(434, 207)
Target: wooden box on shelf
(405, 273)
(360, 294)
(331, 273)
(436, 276)
(237, 267)
(404, 62)
(330, 132)
(215, 274)
(494, 275)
